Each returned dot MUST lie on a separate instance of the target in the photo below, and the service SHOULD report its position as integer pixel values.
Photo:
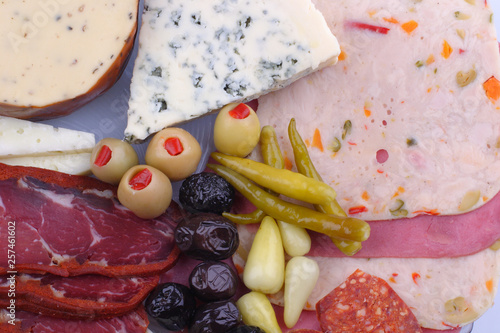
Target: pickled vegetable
(344, 228)
(146, 191)
(213, 281)
(265, 267)
(172, 305)
(175, 152)
(206, 192)
(256, 310)
(306, 167)
(296, 240)
(301, 276)
(111, 158)
(215, 317)
(207, 236)
(286, 182)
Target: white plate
(106, 117)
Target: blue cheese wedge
(39, 145)
(197, 56)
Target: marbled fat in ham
(72, 225)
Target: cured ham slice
(80, 297)
(27, 322)
(74, 225)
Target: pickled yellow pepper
(346, 228)
(286, 182)
(306, 167)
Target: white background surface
(106, 117)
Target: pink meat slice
(423, 236)
(27, 322)
(78, 297)
(73, 225)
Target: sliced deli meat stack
(405, 128)
(73, 225)
(27, 322)
(79, 297)
(407, 121)
(197, 56)
(59, 55)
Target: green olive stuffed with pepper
(175, 152)
(146, 191)
(236, 130)
(111, 158)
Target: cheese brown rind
(59, 55)
(197, 56)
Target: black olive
(213, 281)
(207, 236)
(215, 317)
(172, 305)
(246, 329)
(206, 192)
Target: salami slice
(365, 303)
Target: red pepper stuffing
(141, 180)
(427, 212)
(365, 26)
(357, 210)
(103, 157)
(241, 111)
(415, 277)
(173, 146)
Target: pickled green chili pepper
(306, 167)
(254, 217)
(271, 151)
(346, 228)
(271, 154)
(286, 182)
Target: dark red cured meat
(424, 236)
(79, 297)
(308, 319)
(365, 303)
(74, 225)
(27, 322)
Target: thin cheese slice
(26, 143)
(23, 138)
(197, 56)
(75, 163)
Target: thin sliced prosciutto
(78, 297)
(27, 322)
(73, 225)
